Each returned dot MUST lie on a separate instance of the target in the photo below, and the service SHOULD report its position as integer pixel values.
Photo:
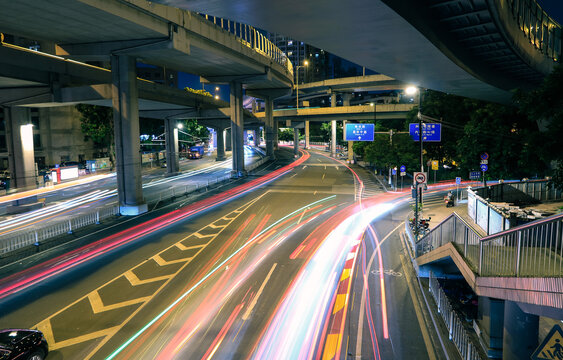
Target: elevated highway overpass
(475, 48)
(121, 33)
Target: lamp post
(411, 90)
(305, 63)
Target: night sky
(554, 8)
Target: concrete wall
(60, 136)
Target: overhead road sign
(359, 132)
(430, 132)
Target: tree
(96, 123)
(285, 134)
(545, 107)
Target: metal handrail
(456, 331)
(542, 31)
(530, 250)
(254, 39)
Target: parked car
(22, 344)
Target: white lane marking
(323, 176)
(301, 217)
(363, 300)
(253, 303)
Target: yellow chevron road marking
(98, 305)
(331, 345)
(134, 280)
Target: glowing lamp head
(180, 126)
(305, 62)
(411, 90)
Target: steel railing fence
(457, 333)
(532, 250)
(36, 235)
(252, 38)
(541, 30)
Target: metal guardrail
(252, 38)
(457, 333)
(542, 31)
(532, 250)
(36, 235)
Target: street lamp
(305, 63)
(411, 90)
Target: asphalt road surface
(294, 264)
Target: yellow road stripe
(339, 303)
(331, 345)
(345, 274)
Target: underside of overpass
(475, 48)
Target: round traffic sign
(484, 156)
(484, 167)
(403, 168)
(420, 178)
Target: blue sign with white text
(430, 132)
(474, 175)
(359, 132)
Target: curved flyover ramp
(475, 48)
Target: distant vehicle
(196, 152)
(22, 344)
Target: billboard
(359, 132)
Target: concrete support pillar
(295, 141)
(491, 324)
(172, 154)
(237, 128)
(333, 128)
(520, 337)
(220, 144)
(126, 131)
(269, 127)
(228, 142)
(346, 102)
(307, 146)
(20, 147)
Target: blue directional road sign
(430, 132)
(474, 175)
(403, 168)
(359, 132)
(394, 171)
(457, 180)
(484, 167)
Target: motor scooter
(449, 201)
